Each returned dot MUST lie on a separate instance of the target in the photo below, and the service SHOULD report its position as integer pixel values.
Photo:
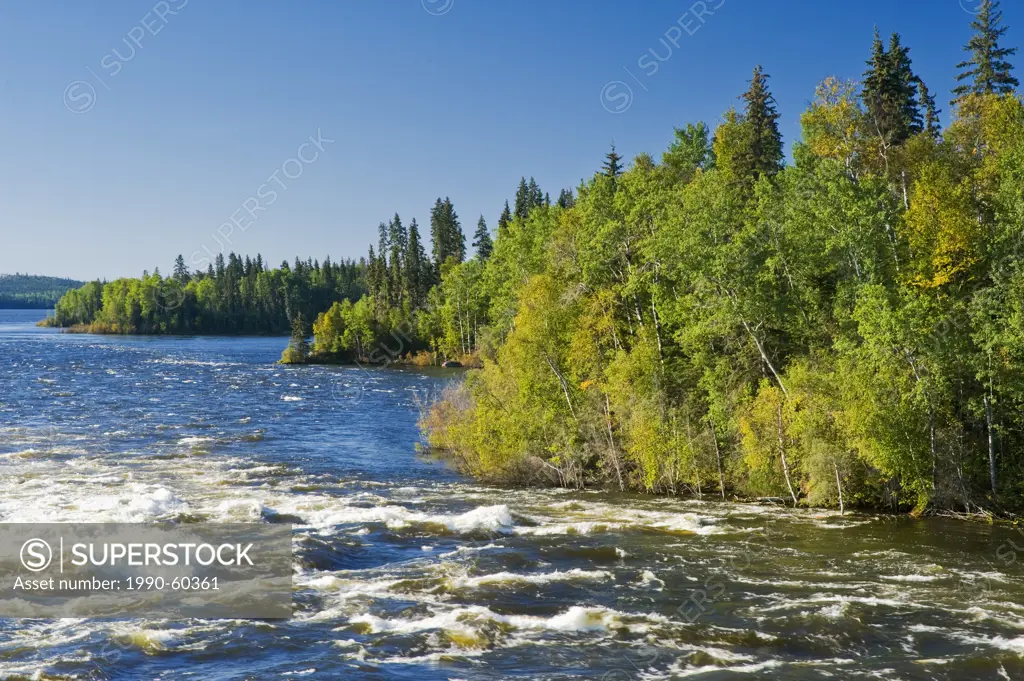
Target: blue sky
(136, 130)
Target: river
(406, 570)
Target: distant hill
(28, 291)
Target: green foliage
(25, 291)
(233, 297)
(987, 71)
(843, 330)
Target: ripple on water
(403, 569)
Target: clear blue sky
(423, 98)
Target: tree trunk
(565, 388)
(782, 451)
(611, 442)
(931, 438)
(764, 357)
(991, 445)
(718, 458)
(839, 486)
(657, 330)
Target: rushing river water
(405, 570)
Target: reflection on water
(404, 570)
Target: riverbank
(454, 429)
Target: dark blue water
(405, 570)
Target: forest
(232, 296)
(27, 291)
(844, 328)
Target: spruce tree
(505, 219)
(446, 232)
(566, 199)
(438, 235)
(456, 239)
(906, 88)
(536, 197)
(482, 240)
(522, 208)
(612, 166)
(763, 153)
(416, 268)
(398, 239)
(298, 347)
(372, 277)
(890, 93)
(987, 71)
(181, 270)
(931, 112)
(383, 268)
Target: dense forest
(845, 328)
(233, 296)
(32, 292)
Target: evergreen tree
(384, 289)
(438, 235)
(890, 93)
(505, 219)
(373, 273)
(612, 166)
(522, 208)
(482, 240)
(417, 268)
(931, 112)
(763, 155)
(398, 239)
(566, 199)
(536, 197)
(456, 238)
(987, 71)
(905, 88)
(297, 351)
(446, 232)
(181, 274)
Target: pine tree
(906, 88)
(930, 122)
(456, 239)
(398, 239)
(890, 93)
(522, 210)
(505, 219)
(566, 199)
(612, 166)
(535, 197)
(417, 268)
(181, 274)
(987, 71)
(482, 240)
(438, 236)
(449, 241)
(383, 267)
(372, 274)
(298, 348)
(764, 146)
